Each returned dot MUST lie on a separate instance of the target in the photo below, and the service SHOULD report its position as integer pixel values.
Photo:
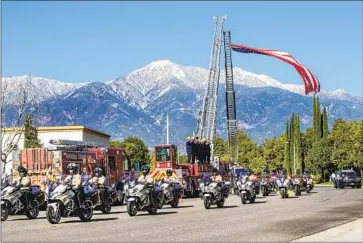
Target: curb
(349, 232)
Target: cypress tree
(287, 158)
(317, 120)
(30, 134)
(292, 143)
(298, 152)
(325, 125)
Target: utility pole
(294, 160)
(167, 128)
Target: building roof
(65, 129)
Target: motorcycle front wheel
(175, 202)
(106, 206)
(32, 211)
(243, 198)
(220, 203)
(4, 212)
(207, 202)
(85, 214)
(131, 208)
(153, 209)
(52, 216)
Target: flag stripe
(311, 82)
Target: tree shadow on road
(92, 220)
(26, 218)
(159, 213)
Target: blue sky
(100, 41)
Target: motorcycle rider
(217, 179)
(146, 178)
(98, 181)
(24, 180)
(73, 179)
(169, 178)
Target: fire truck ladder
(74, 143)
(207, 121)
(230, 100)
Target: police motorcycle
(18, 200)
(247, 188)
(307, 182)
(266, 185)
(284, 184)
(297, 183)
(139, 196)
(63, 201)
(212, 193)
(101, 195)
(171, 193)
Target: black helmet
(169, 172)
(265, 171)
(297, 171)
(98, 170)
(215, 170)
(72, 166)
(284, 171)
(248, 172)
(23, 170)
(307, 171)
(145, 169)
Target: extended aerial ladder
(206, 127)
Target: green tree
(317, 119)
(287, 159)
(221, 149)
(116, 144)
(273, 150)
(135, 148)
(249, 154)
(183, 159)
(342, 144)
(319, 157)
(325, 124)
(307, 140)
(30, 134)
(297, 143)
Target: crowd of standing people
(198, 150)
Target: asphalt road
(268, 219)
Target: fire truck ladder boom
(207, 121)
(73, 143)
(230, 100)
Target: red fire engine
(166, 157)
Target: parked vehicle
(348, 178)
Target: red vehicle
(165, 157)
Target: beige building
(45, 134)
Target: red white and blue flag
(310, 80)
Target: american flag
(310, 80)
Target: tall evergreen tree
(30, 134)
(298, 150)
(317, 121)
(287, 158)
(325, 125)
(292, 144)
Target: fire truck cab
(166, 157)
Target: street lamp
(167, 121)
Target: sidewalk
(350, 232)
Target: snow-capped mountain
(137, 104)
